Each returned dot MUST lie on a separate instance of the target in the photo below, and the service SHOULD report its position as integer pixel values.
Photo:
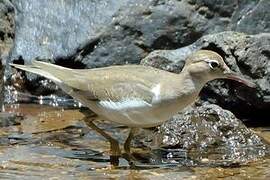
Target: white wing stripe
(125, 104)
(156, 91)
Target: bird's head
(205, 65)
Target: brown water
(52, 143)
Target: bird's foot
(130, 158)
(114, 160)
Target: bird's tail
(50, 71)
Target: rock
(252, 17)
(9, 119)
(169, 60)
(6, 29)
(1, 84)
(247, 55)
(55, 31)
(208, 132)
(6, 39)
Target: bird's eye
(213, 64)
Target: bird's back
(133, 95)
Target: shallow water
(43, 142)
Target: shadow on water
(39, 141)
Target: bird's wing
(111, 89)
(103, 84)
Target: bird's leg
(127, 144)
(114, 158)
(129, 139)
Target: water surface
(44, 142)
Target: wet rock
(56, 29)
(9, 119)
(209, 134)
(247, 55)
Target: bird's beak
(233, 76)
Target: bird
(136, 96)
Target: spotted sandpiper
(135, 95)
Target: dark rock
(247, 55)
(208, 133)
(143, 26)
(252, 17)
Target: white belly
(136, 114)
(138, 117)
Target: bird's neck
(191, 84)
(183, 91)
